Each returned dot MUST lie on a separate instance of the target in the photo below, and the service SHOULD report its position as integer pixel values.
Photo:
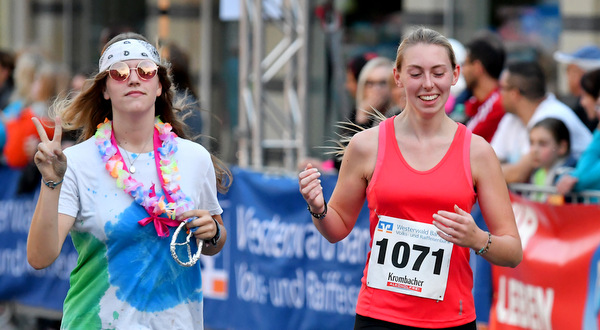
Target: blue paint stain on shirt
(140, 265)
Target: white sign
(409, 257)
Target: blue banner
(276, 270)
(19, 282)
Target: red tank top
(397, 190)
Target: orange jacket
(18, 130)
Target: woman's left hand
(201, 223)
(458, 227)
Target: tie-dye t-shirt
(125, 277)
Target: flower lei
(166, 164)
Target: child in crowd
(586, 175)
(550, 145)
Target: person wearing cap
(582, 60)
(123, 193)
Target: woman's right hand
(49, 158)
(311, 189)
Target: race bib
(409, 257)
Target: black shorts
(368, 323)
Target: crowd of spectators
(538, 138)
(502, 99)
(510, 105)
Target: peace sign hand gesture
(49, 158)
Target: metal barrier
(531, 191)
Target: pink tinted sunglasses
(145, 69)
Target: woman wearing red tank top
(421, 173)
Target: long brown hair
(88, 109)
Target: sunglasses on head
(120, 71)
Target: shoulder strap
(384, 127)
(467, 151)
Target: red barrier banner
(556, 284)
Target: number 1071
(401, 255)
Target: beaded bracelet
(487, 246)
(318, 216)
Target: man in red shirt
(481, 70)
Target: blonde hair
(53, 79)
(364, 75)
(26, 67)
(423, 35)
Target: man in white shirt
(524, 97)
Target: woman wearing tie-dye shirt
(122, 193)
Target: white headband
(128, 49)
